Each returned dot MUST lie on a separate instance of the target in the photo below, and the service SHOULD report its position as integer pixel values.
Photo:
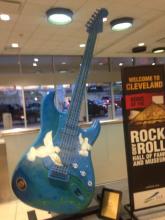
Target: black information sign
(144, 129)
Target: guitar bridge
(59, 175)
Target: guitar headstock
(96, 21)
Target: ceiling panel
(30, 28)
(152, 4)
(9, 6)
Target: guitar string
(77, 103)
(83, 83)
(71, 118)
(74, 120)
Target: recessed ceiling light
(63, 71)
(105, 19)
(82, 45)
(121, 24)
(140, 44)
(34, 64)
(100, 63)
(158, 50)
(153, 64)
(15, 45)
(59, 16)
(36, 59)
(4, 17)
(121, 64)
(63, 63)
(66, 86)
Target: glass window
(99, 101)
(160, 60)
(11, 107)
(33, 99)
(117, 91)
(63, 64)
(118, 62)
(99, 64)
(143, 61)
(36, 64)
(63, 97)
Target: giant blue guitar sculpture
(56, 172)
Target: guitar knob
(75, 165)
(90, 183)
(83, 173)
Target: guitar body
(45, 177)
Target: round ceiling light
(141, 44)
(158, 50)
(59, 16)
(4, 17)
(121, 24)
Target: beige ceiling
(29, 27)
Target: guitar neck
(77, 97)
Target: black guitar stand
(91, 210)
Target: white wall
(108, 154)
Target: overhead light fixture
(14, 45)
(141, 44)
(4, 17)
(153, 64)
(158, 50)
(100, 63)
(121, 24)
(139, 49)
(34, 64)
(121, 64)
(63, 71)
(82, 45)
(59, 16)
(36, 59)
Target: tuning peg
(104, 12)
(89, 23)
(95, 14)
(87, 26)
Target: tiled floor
(16, 210)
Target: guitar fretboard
(77, 97)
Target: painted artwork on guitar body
(56, 173)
